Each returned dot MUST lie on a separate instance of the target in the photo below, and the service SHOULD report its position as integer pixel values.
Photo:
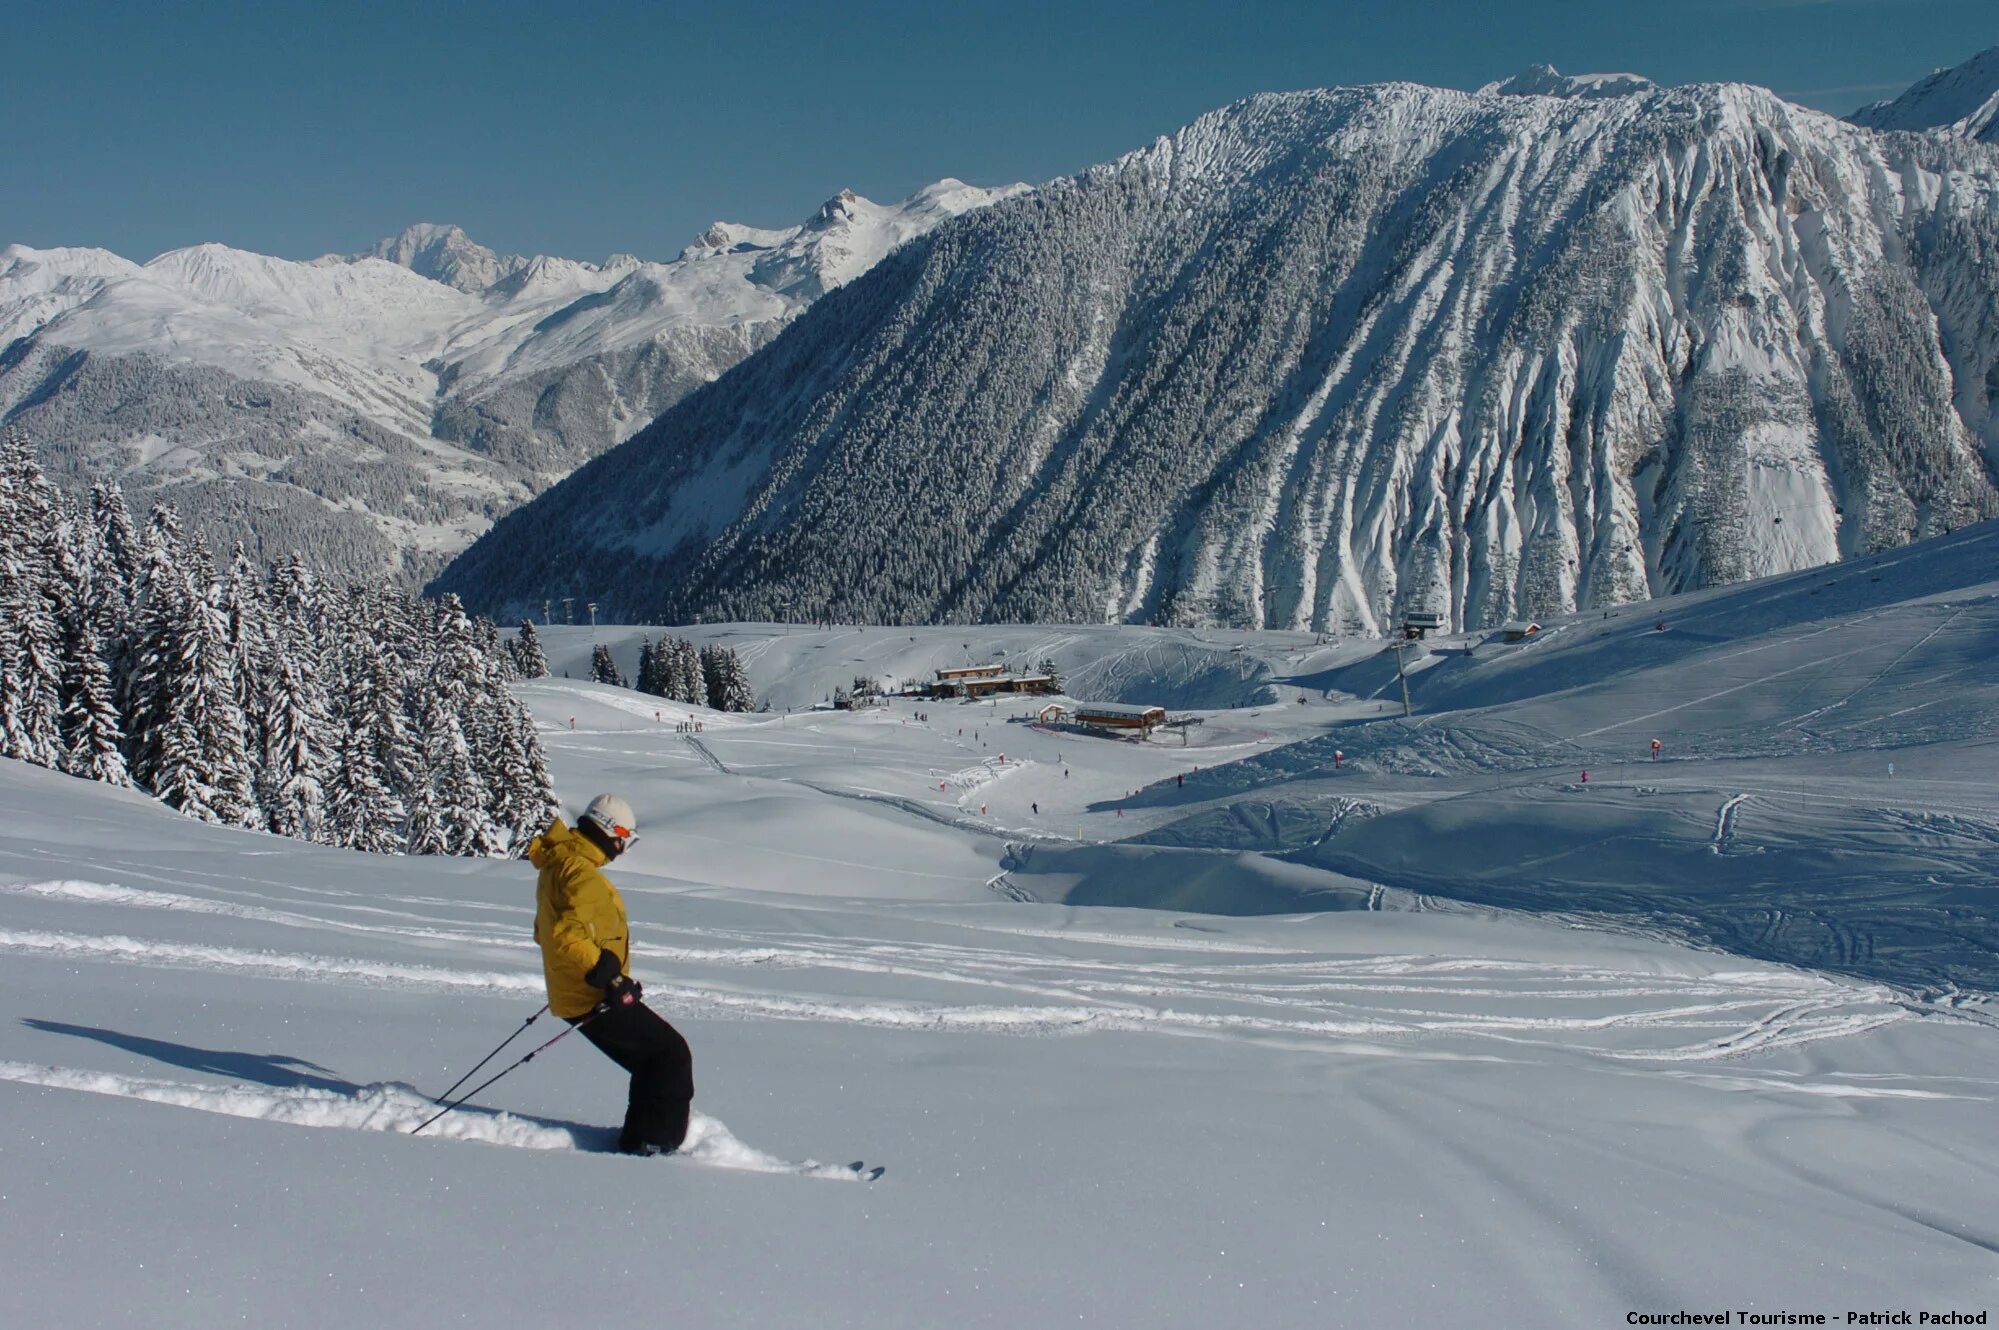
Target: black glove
(606, 972)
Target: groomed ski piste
(1441, 1035)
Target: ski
(861, 1170)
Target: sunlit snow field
(1416, 1041)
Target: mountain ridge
(491, 375)
(1960, 100)
(1320, 358)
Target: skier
(580, 924)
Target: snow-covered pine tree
(376, 757)
(93, 734)
(426, 832)
(691, 684)
(643, 681)
(728, 683)
(33, 710)
(297, 725)
(240, 601)
(460, 798)
(520, 783)
(362, 812)
(464, 689)
(159, 595)
(118, 547)
(203, 767)
(500, 662)
(603, 669)
(666, 669)
(30, 645)
(298, 749)
(711, 676)
(533, 663)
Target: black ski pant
(638, 1039)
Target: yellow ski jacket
(578, 914)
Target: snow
(1961, 100)
(431, 329)
(1546, 81)
(1537, 353)
(1317, 1056)
(349, 327)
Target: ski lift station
(1118, 716)
(1418, 623)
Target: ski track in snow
(390, 1107)
(1225, 992)
(1724, 824)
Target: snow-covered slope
(1281, 1093)
(1961, 100)
(1547, 81)
(490, 376)
(1323, 358)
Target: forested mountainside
(1321, 358)
(378, 411)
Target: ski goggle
(623, 835)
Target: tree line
(673, 668)
(268, 699)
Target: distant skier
(580, 923)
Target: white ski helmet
(613, 816)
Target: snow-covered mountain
(378, 410)
(1322, 358)
(448, 255)
(1547, 81)
(1962, 100)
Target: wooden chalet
(987, 681)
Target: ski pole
(566, 1032)
(438, 1099)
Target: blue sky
(584, 128)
